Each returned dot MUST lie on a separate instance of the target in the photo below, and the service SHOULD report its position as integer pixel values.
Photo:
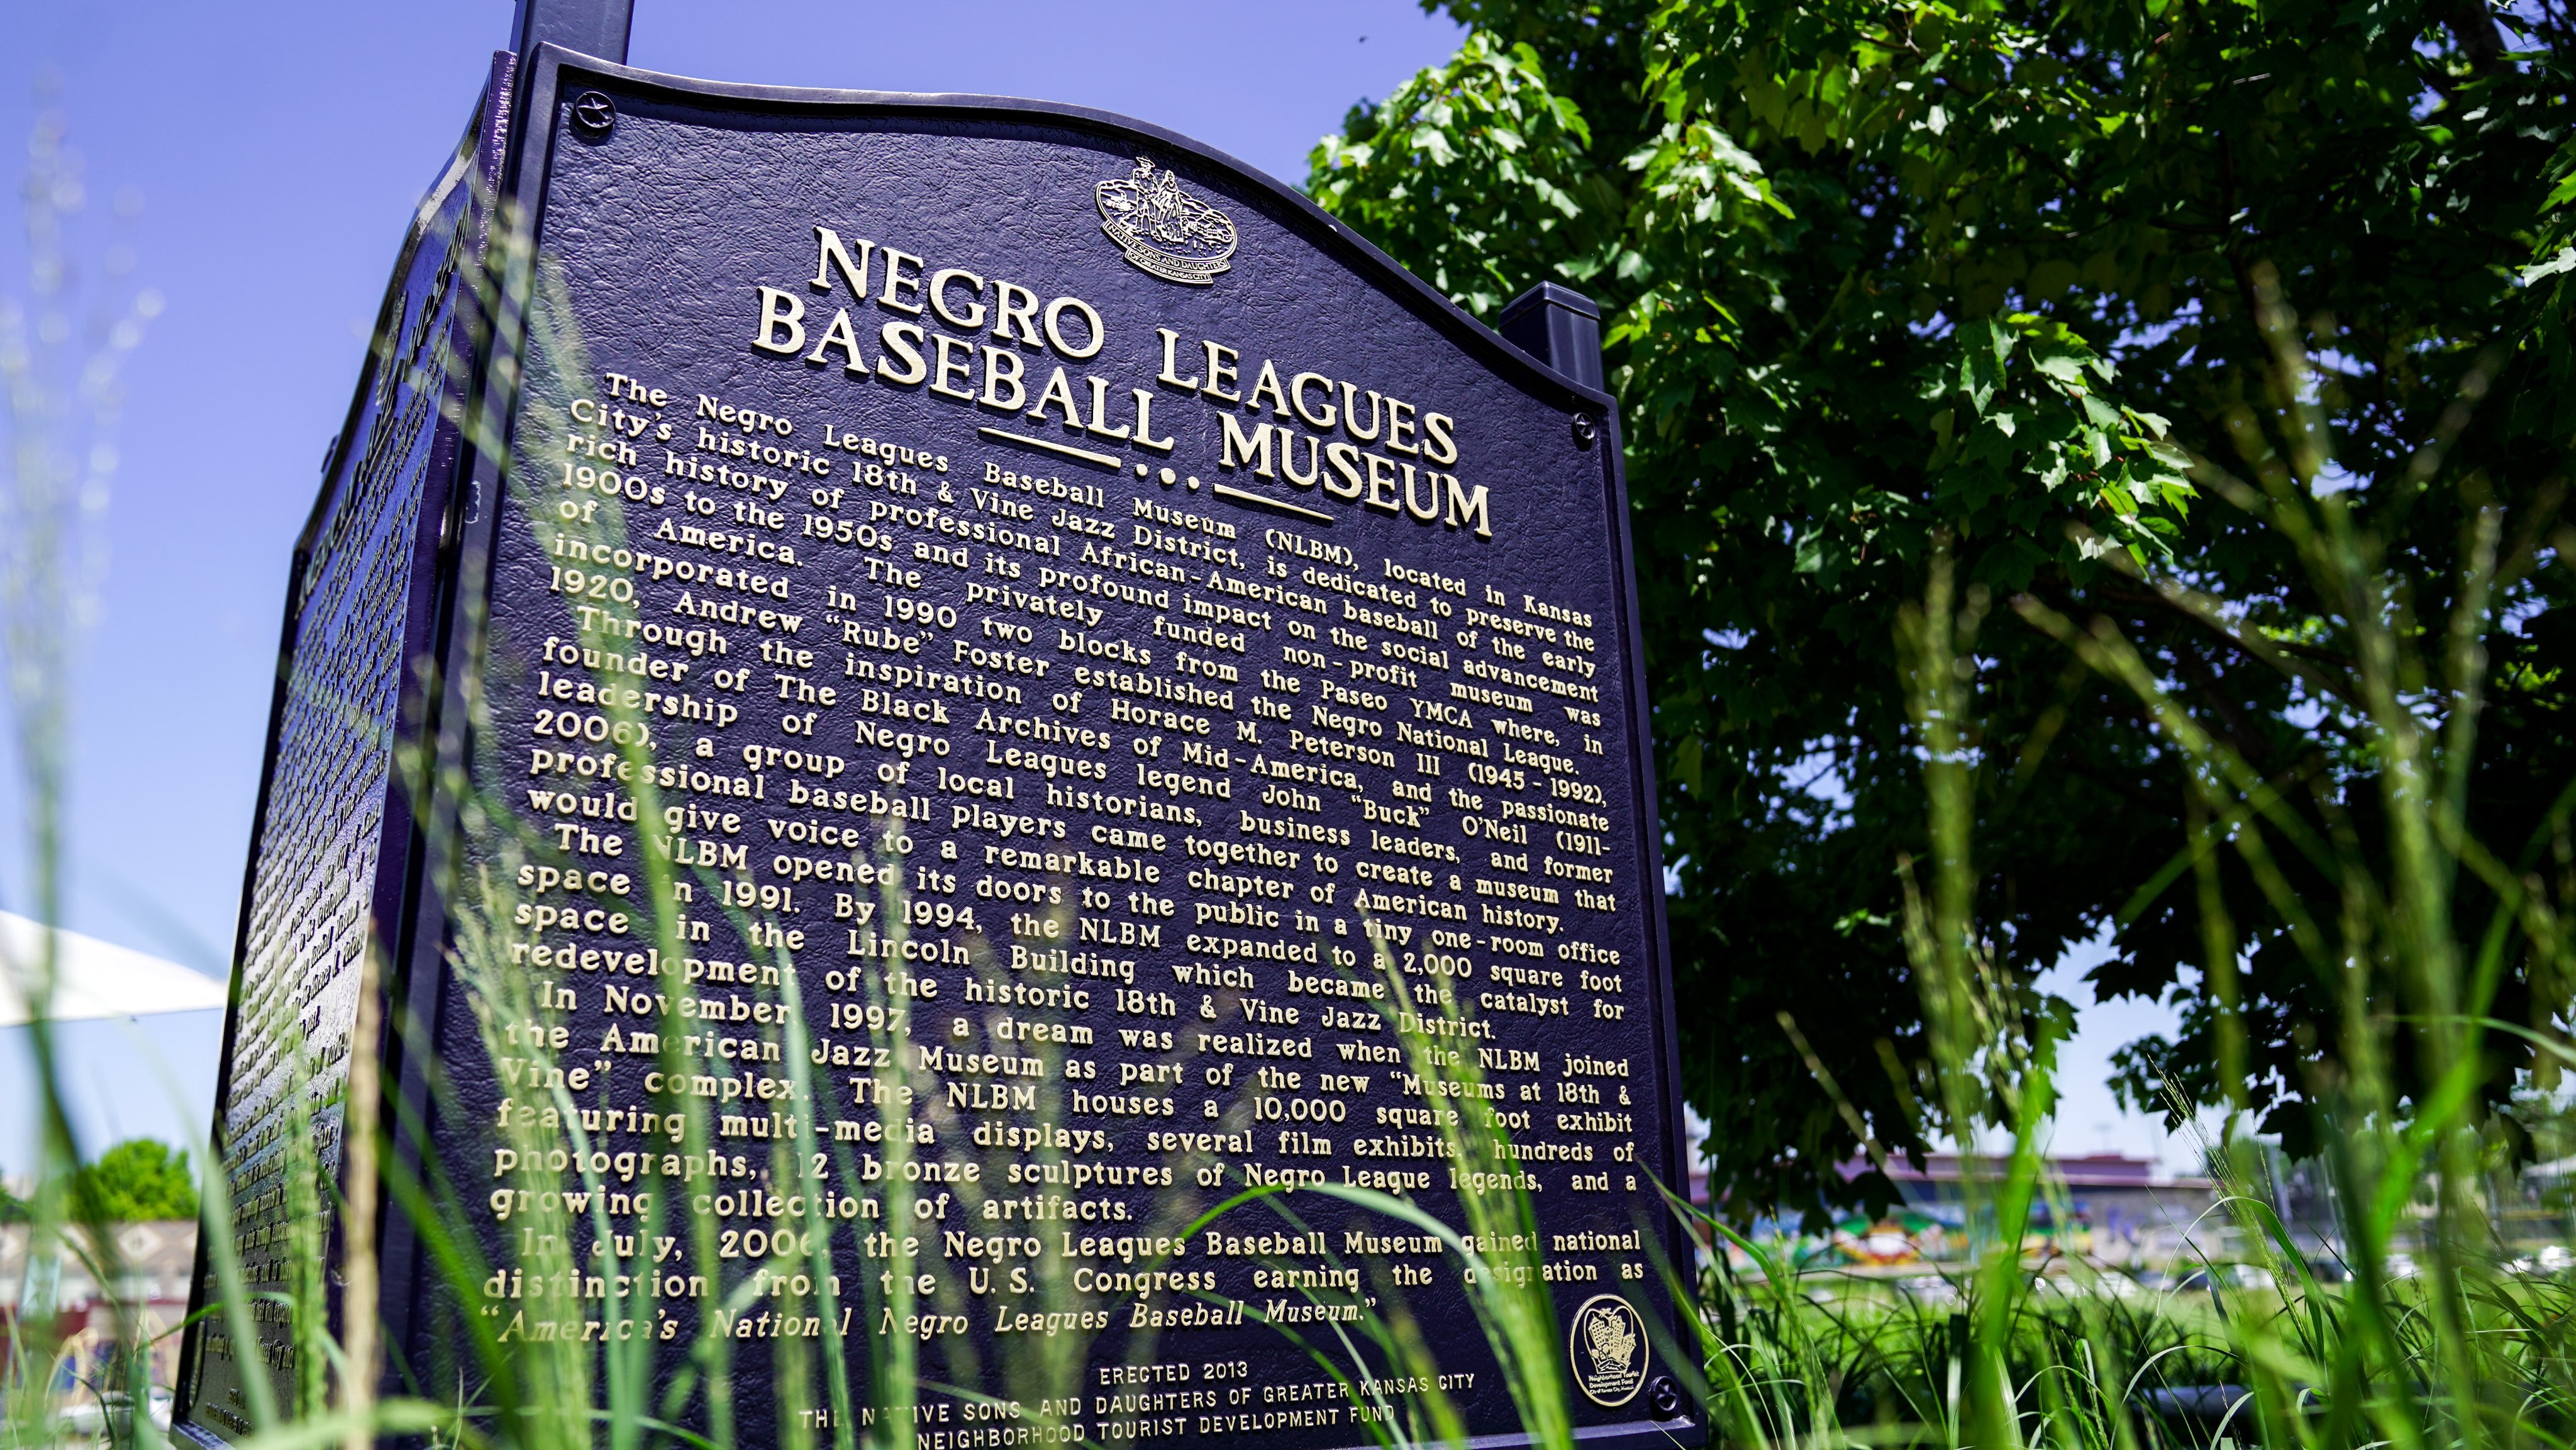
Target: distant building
(2120, 1210)
(157, 1258)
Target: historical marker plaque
(1011, 683)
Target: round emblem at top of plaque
(1164, 229)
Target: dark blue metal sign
(1011, 684)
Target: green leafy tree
(136, 1180)
(1995, 273)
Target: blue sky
(276, 151)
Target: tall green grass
(65, 338)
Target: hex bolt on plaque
(1664, 1397)
(1584, 430)
(594, 114)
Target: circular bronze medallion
(1608, 1348)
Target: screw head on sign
(1584, 430)
(1664, 1397)
(594, 113)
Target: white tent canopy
(94, 979)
